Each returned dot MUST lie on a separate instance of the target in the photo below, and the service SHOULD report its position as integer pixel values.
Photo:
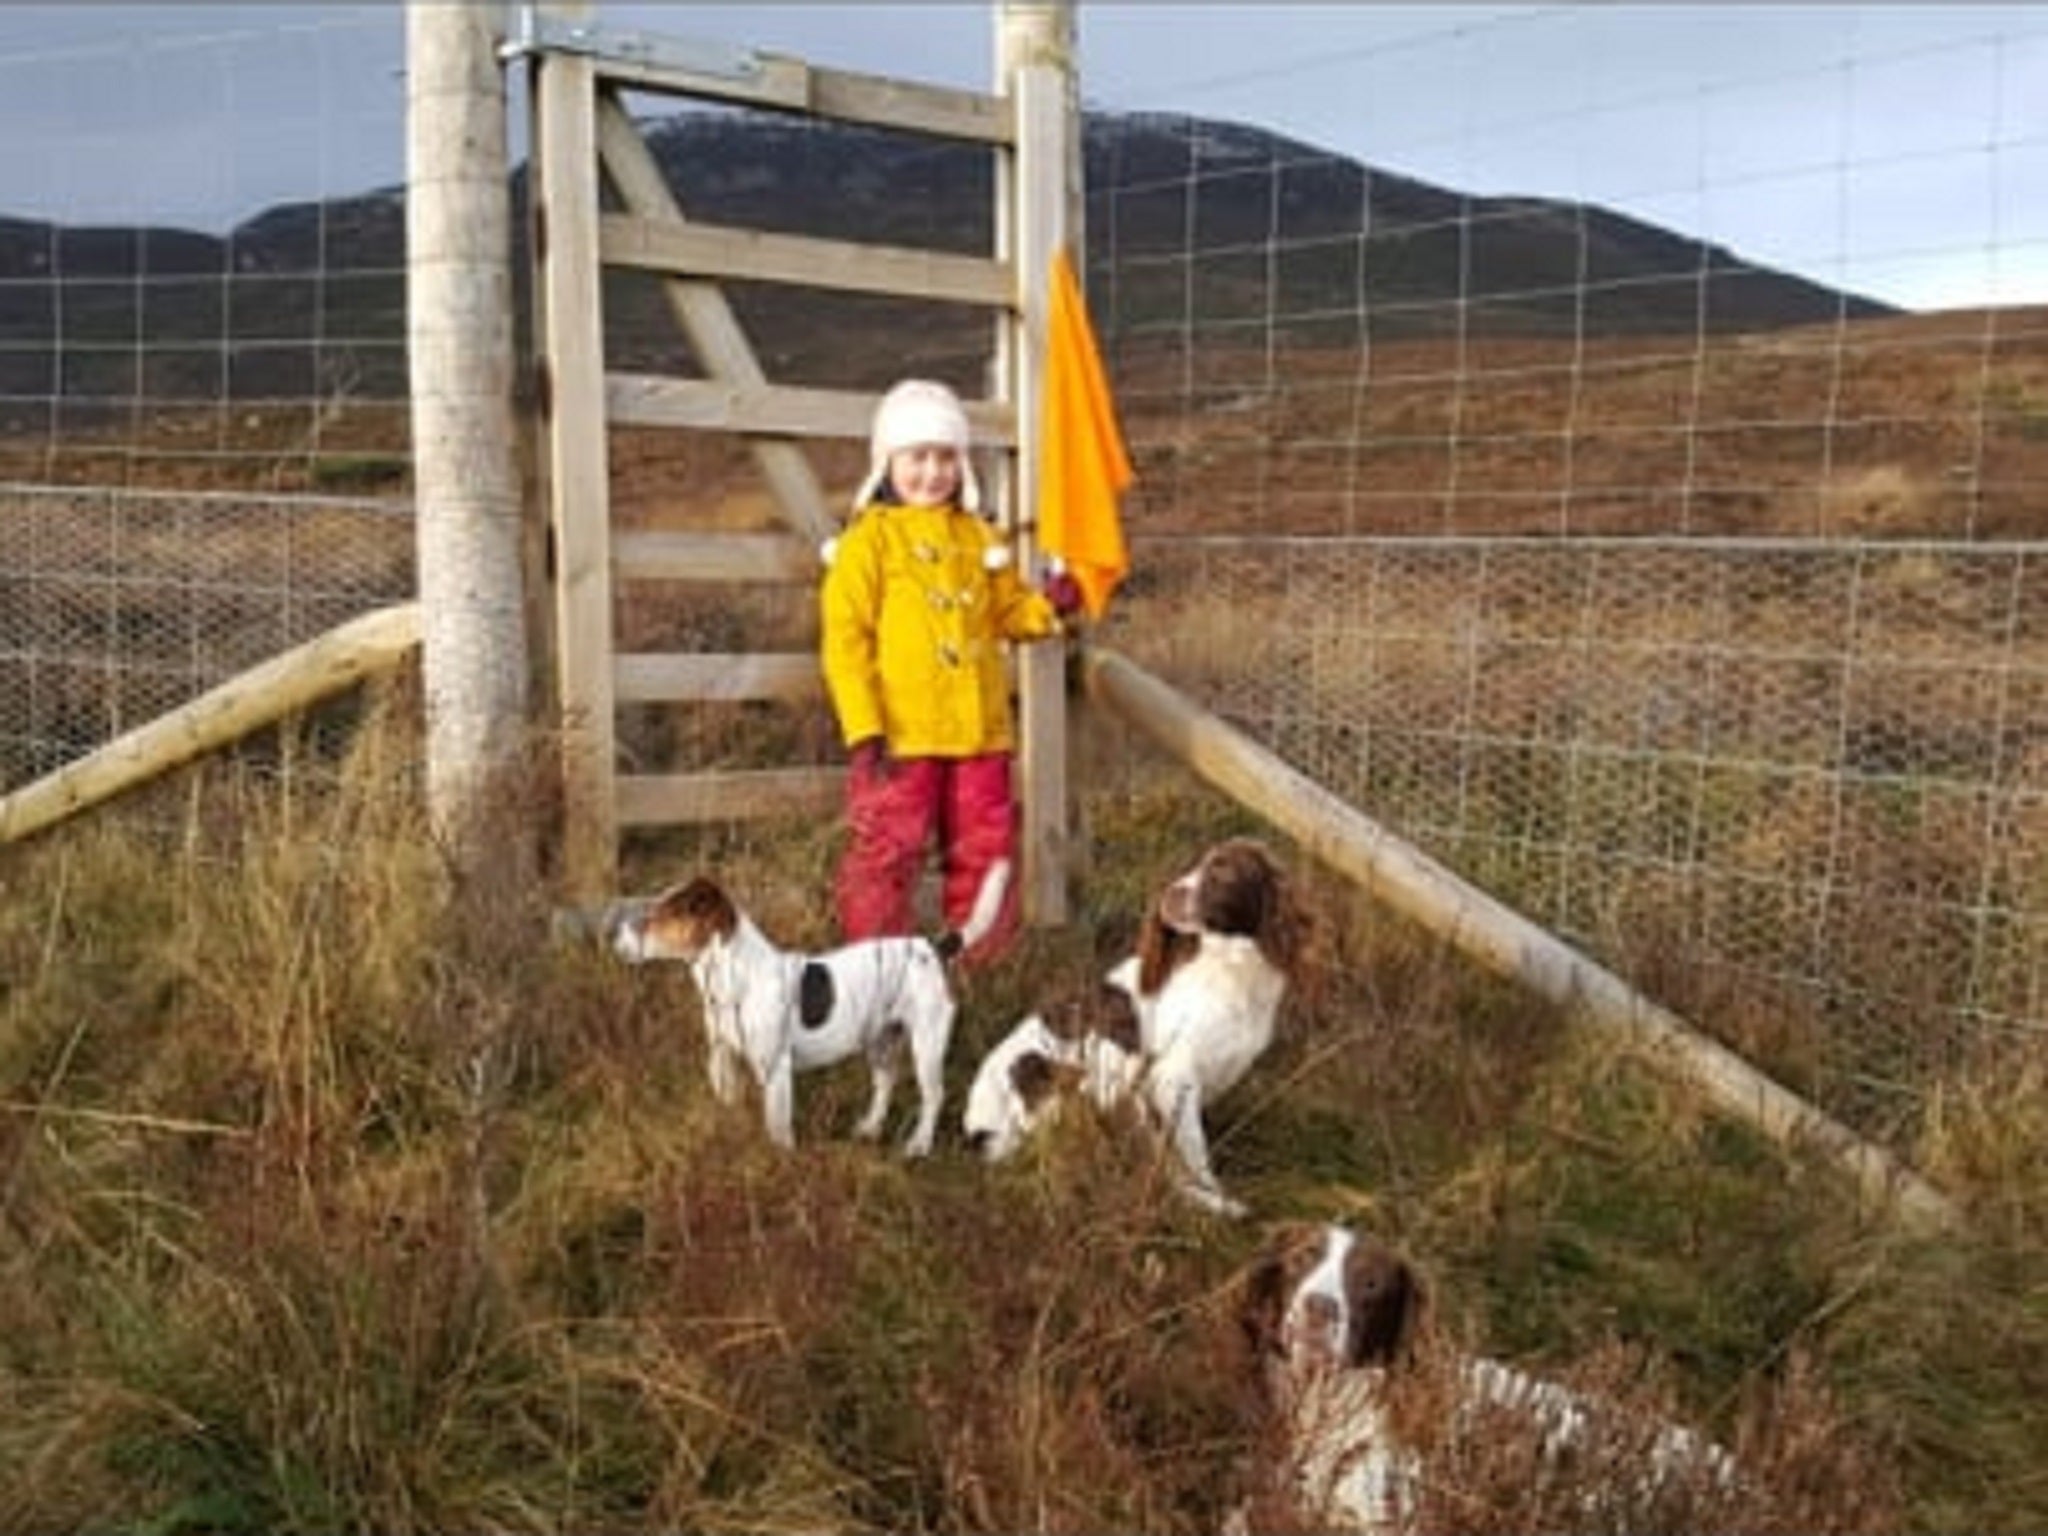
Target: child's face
(925, 475)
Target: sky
(1899, 150)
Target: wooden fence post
(1037, 212)
(465, 455)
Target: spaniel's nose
(978, 1142)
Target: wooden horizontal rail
(1490, 932)
(779, 410)
(262, 696)
(911, 106)
(670, 678)
(714, 557)
(740, 795)
(794, 86)
(774, 410)
(715, 251)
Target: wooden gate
(583, 139)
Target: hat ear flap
(872, 485)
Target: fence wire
(1799, 786)
(118, 605)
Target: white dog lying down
(1333, 1318)
(781, 1012)
(1172, 1027)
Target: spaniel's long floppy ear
(1262, 1304)
(1262, 1301)
(1115, 1018)
(1386, 1302)
(1161, 951)
(1288, 936)
(1296, 940)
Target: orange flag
(1082, 465)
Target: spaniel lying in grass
(1376, 1433)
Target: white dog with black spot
(778, 1012)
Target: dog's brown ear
(1262, 1302)
(1286, 935)
(1153, 936)
(1115, 1018)
(1161, 951)
(1037, 1077)
(1070, 1017)
(703, 901)
(1297, 938)
(1387, 1302)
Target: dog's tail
(981, 919)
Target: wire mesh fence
(1693, 606)
(203, 425)
(118, 605)
(1799, 786)
(1653, 535)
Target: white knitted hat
(916, 412)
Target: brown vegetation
(337, 1199)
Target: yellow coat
(915, 607)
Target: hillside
(287, 300)
(1300, 344)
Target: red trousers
(893, 815)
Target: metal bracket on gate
(541, 33)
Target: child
(919, 596)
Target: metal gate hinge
(540, 33)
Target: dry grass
(336, 1199)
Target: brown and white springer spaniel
(1375, 1416)
(1172, 1027)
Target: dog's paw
(1217, 1203)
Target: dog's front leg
(778, 1100)
(1178, 1103)
(722, 1035)
(722, 1065)
(1209, 1195)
